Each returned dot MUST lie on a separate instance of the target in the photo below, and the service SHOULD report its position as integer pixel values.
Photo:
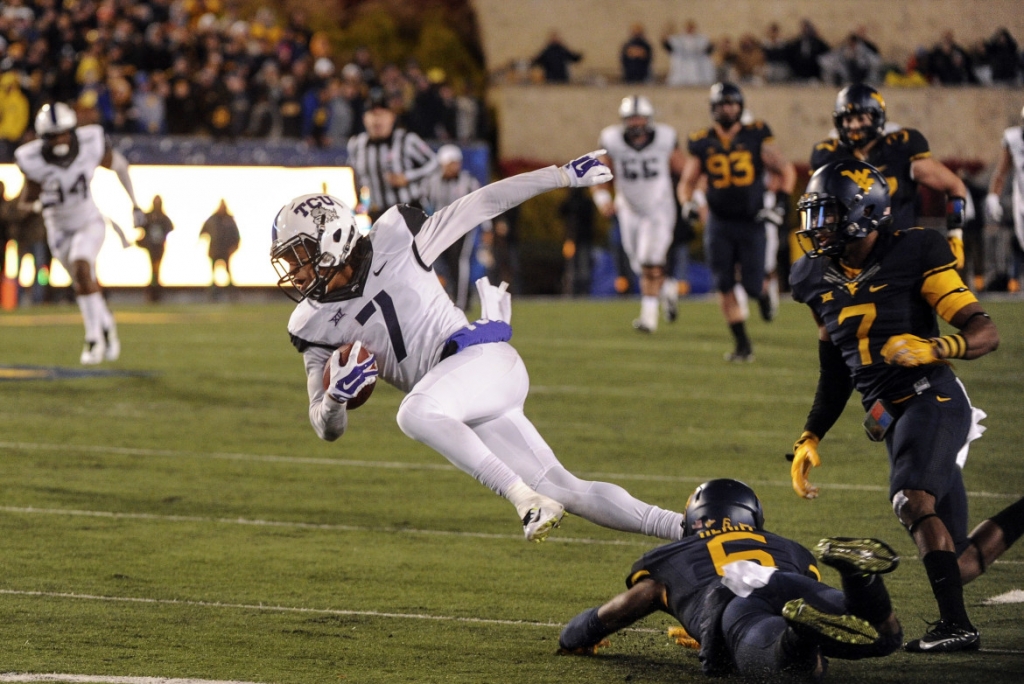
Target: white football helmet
(632, 107)
(51, 121)
(319, 231)
(635, 105)
(54, 119)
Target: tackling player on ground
(644, 155)
(752, 600)
(58, 168)
(875, 294)
(465, 384)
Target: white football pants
(469, 408)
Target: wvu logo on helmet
(862, 178)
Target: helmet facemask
(819, 225)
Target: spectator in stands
(1003, 58)
(223, 238)
(636, 56)
(749, 60)
(13, 115)
(149, 110)
(182, 108)
(689, 56)
(802, 53)
(289, 107)
(723, 56)
(949, 63)
(776, 67)
(852, 61)
(555, 59)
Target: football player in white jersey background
(58, 168)
(644, 154)
(1010, 165)
(465, 384)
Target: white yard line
(104, 679)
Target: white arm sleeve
(447, 225)
(328, 417)
(119, 165)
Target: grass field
(187, 523)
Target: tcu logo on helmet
(311, 205)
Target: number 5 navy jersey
(643, 176)
(403, 315)
(908, 278)
(688, 566)
(734, 169)
(65, 194)
(893, 155)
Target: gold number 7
(869, 313)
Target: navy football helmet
(717, 500)
(859, 98)
(844, 201)
(721, 93)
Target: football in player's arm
(875, 295)
(465, 384)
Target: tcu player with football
(1011, 163)
(752, 600)
(903, 157)
(733, 156)
(58, 168)
(875, 294)
(643, 155)
(465, 384)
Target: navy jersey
(734, 169)
(892, 155)
(910, 276)
(689, 566)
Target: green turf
(190, 523)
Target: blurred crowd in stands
(194, 67)
(697, 59)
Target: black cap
(376, 100)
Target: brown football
(364, 394)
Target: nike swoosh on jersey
(876, 288)
(943, 399)
(377, 272)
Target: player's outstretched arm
(447, 225)
(587, 631)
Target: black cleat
(767, 307)
(945, 637)
(740, 356)
(857, 556)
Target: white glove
(349, 379)
(774, 216)
(586, 171)
(495, 302)
(993, 207)
(139, 217)
(689, 210)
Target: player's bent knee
(418, 415)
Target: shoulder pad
(413, 216)
(699, 135)
(827, 145)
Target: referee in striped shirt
(391, 163)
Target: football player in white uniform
(58, 168)
(465, 384)
(644, 155)
(1011, 163)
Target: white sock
(649, 311)
(741, 300)
(670, 289)
(90, 305)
